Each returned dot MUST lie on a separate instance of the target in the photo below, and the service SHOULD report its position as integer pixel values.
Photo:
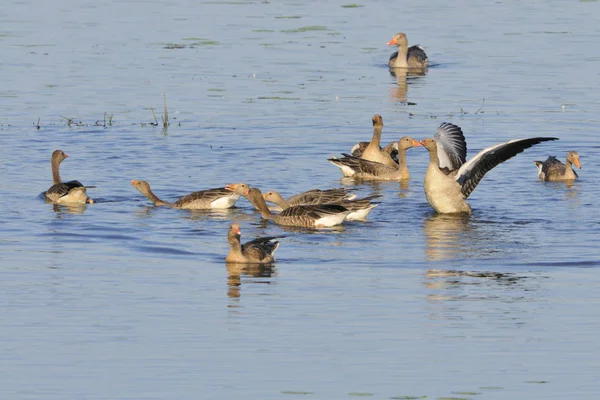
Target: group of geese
(449, 179)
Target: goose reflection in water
(402, 75)
(235, 271)
(446, 236)
(69, 208)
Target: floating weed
(262, 30)
(359, 394)
(228, 2)
(537, 382)
(171, 46)
(295, 392)
(452, 398)
(216, 90)
(467, 393)
(353, 5)
(309, 28)
(288, 17)
(408, 397)
(277, 98)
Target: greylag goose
(219, 198)
(412, 57)
(308, 216)
(554, 170)
(360, 208)
(449, 180)
(373, 150)
(257, 251)
(391, 149)
(72, 192)
(314, 196)
(362, 169)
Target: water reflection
(69, 208)
(445, 236)
(235, 271)
(450, 285)
(399, 93)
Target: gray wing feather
(451, 146)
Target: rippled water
(123, 300)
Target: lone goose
(373, 150)
(449, 180)
(360, 208)
(413, 57)
(362, 169)
(220, 198)
(257, 251)
(554, 170)
(309, 216)
(72, 192)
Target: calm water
(123, 300)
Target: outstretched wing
(469, 175)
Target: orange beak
(416, 143)
(576, 162)
(231, 188)
(393, 41)
(237, 231)
(134, 182)
(246, 192)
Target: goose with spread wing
(307, 216)
(450, 179)
(412, 57)
(71, 192)
(554, 170)
(219, 198)
(369, 170)
(257, 251)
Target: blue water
(123, 300)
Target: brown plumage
(413, 57)
(218, 198)
(373, 150)
(363, 169)
(307, 216)
(359, 208)
(72, 192)
(257, 251)
(554, 170)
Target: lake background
(122, 300)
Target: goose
(391, 148)
(450, 179)
(413, 57)
(554, 170)
(314, 196)
(373, 150)
(257, 251)
(307, 216)
(72, 192)
(363, 169)
(360, 207)
(219, 198)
